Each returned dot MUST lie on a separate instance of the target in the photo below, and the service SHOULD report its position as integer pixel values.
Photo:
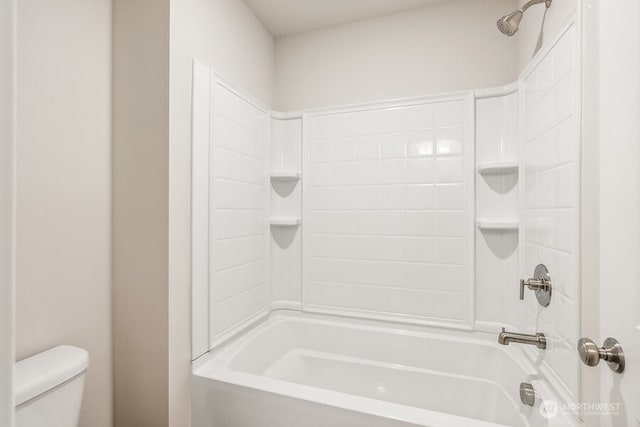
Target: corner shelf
(505, 224)
(284, 221)
(498, 167)
(285, 176)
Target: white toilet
(48, 387)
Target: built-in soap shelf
(505, 224)
(284, 221)
(285, 176)
(498, 167)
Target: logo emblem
(549, 409)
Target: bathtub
(302, 370)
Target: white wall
(444, 47)
(226, 36)
(63, 188)
(7, 147)
(529, 29)
(590, 178)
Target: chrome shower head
(508, 24)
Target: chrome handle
(611, 352)
(540, 283)
(534, 285)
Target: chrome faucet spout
(539, 340)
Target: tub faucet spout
(538, 339)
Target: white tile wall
(238, 254)
(388, 211)
(552, 202)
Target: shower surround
(352, 264)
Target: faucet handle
(540, 283)
(534, 285)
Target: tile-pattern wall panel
(551, 137)
(238, 232)
(387, 212)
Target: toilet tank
(48, 387)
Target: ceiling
(287, 17)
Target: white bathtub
(300, 370)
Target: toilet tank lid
(44, 371)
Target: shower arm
(530, 3)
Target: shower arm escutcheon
(540, 283)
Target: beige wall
(225, 35)
(529, 29)
(140, 211)
(7, 146)
(63, 187)
(444, 47)
(151, 186)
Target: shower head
(508, 24)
